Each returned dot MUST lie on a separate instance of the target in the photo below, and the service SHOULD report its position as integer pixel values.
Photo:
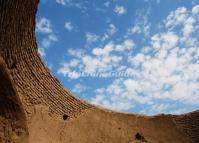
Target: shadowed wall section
(12, 118)
(30, 96)
(189, 124)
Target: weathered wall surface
(102, 126)
(35, 108)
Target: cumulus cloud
(109, 32)
(165, 71)
(43, 25)
(116, 102)
(189, 26)
(62, 2)
(136, 29)
(183, 19)
(68, 25)
(42, 52)
(100, 59)
(79, 88)
(120, 10)
(46, 42)
(128, 44)
(195, 9)
(71, 3)
(91, 37)
(176, 17)
(112, 29)
(141, 24)
(165, 74)
(164, 40)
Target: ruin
(35, 108)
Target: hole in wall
(140, 137)
(13, 66)
(65, 117)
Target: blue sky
(127, 55)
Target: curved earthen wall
(52, 114)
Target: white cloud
(195, 9)
(120, 10)
(141, 24)
(90, 37)
(189, 26)
(103, 51)
(66, 70)
(105, 37)
(165, 74)
(43, 25)
(176, 17)
(136, 29)
(112, 29)
(116, 102)
(42, 52)
(165, 71)
(156, 108)
(128, 44)
(164, 40)
(76, 53)
(63, 2)
(71, 3)
(100, 59)
(183, 19)
(172, 77)
(46, 42)
(79, 88)
(68, 25)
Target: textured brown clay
(35, 108)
